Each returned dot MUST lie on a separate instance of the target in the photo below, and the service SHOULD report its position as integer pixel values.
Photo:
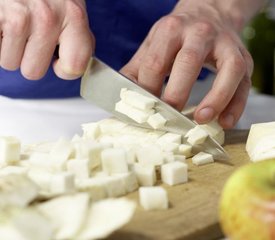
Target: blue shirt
(119, 27)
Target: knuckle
(203, 29)
(47, 19)
(155, 64)
(190, 56)
(171, 23)
(247, 83)
(238, 65)
(175, 100)
(18, 23)
(249, 61)
(76, 12)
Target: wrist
(240, 12)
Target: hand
(194, 34)
(31, 30)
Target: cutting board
(193, 211)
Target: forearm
(239, 12)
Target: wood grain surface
(193, 211)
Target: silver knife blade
(101, 85)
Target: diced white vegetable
(40, 160)
(214, 130)
(91, 130)
(67, 213)
(185, 149)
(126, 140)
(156, 121)
(114, 186)
(91, 150)
(170, 147)
(41, 178)
(131, 156)
(196, 135)
(169, 157)
(94, 187)
(152, 155)
(13, 170)
(202, 158)
(146, 174)
(31, 225)
(174, 173)
(169, 138)
(10, 148)
(130, 181)
(137, 100)
(180, 158)
(60, 153)
(114, 161)
(153, 198)
(17, 190)
(62, 183)
(111, 126)
(80, 168)
(137, 115)
(220, 137)
(76, 138)
(114, 212)
(136, 131)
(107, 139)
(260, 143)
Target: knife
(101, 85)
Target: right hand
(31, 30)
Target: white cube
(174, 173)
(91, 130)
(94, 187)
(185, 149)
(60, 153)
(156, 121)
(62, 183)
(152, 155)
(196, 135)
(202, 158)
(153, 198)
(135, 114)
(80, 168)
(136, 99)
(146, 174)
(114, 160)
(10, 148)
(169, 138)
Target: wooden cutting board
(193, 212)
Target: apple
(247, 203)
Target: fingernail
(206, 114)
(228, 120)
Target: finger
(131, 68)
(231, 69)
(235, 108)
(186, 69)
(15, 34)
(76, 45)
(248, 59)
(160, 56)
(37, 56)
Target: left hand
(180, 44)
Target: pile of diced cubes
(63, 186)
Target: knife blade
(101, 85)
